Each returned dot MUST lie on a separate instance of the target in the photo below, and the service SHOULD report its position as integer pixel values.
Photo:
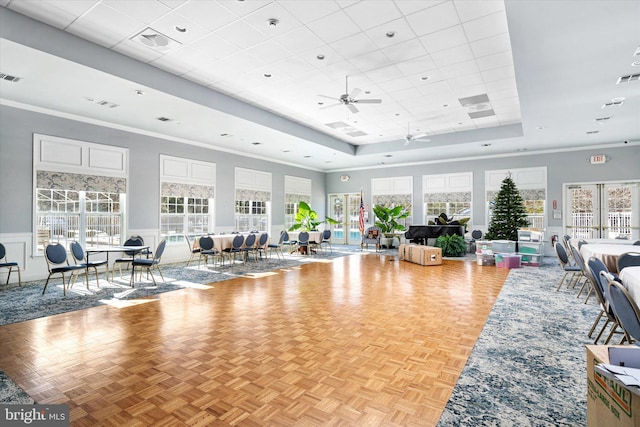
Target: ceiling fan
(408, 139)
(349, 99)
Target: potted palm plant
(387, 218)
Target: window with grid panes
(251, 215)
(183, 215)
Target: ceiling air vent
(155, 40)
(107, 104)
(10, 78)
(629, 78)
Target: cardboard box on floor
(609, 402)
(420, 254)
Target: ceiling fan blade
(329, 106)
(352, 108)
(422, 135)
(407, 141)
(354, 93)
(368, 101)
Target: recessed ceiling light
(320, 57)
(390, 34)
(267, 75)
(539, 128)
(397, 114)
(139, 92)
(425, 78)
(320, 103)
(224, 134)
(486, 145)
(180, 29)
(88, 98)
(273, 22)
(256, 143)
(306, 157)
(388, 155)
(286, 151)
(602, 120)
(327, 161)
(591, 132)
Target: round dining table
(607, 252)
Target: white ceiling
(546, 67)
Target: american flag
(361, 214)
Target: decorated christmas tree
(509, 213)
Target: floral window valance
(80, 182)
(459, 196)
(255, 195)
(295, 198)
(188, 190)
(389, 200)
(531, 194)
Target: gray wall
(16, 164)
(566, 167)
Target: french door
(604, 210)
(345, 208)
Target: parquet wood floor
(363, 340)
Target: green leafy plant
(443, 219)
(387, 218)
(452, 245)
(307, 219)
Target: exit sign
(598, 159)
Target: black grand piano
(421, 233)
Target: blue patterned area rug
(528, 367)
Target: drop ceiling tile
(208, 14)
(401, 29)
(373, 13)
(411, 6)
(469, 10)
(74, 7)
(434, 19)
(334, 27)
(391, 86)
(383, 74)
(241, 34)
(269, 52)
(469, 90)
(491, 45)
(259, 19)
(460, 69)
(498, 94)
(498, 85)
(452, 56)
(294, 67)
(444, 39)
(170, 23)
(44, 12)
(179, 61)
(300, 40)
(243, 8)
(355, 45)
(173, 4)
(421, 65)
(487, 26)
(502, 59)
(370, 61)
(331, 57)
(309, 10)
(214, 46)
(498, 74)
(404, 51)
(141, 10)
(105, 26)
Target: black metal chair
(148, 264)
(325, 241)
(262, 246)
(194, 248)
(207, 249)
(566, 266)
(277, 247)
(81, 259)
(9, 264)
(236, 247)
(249, 247)
(57, 262)
(626, 310)
(303, 243)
